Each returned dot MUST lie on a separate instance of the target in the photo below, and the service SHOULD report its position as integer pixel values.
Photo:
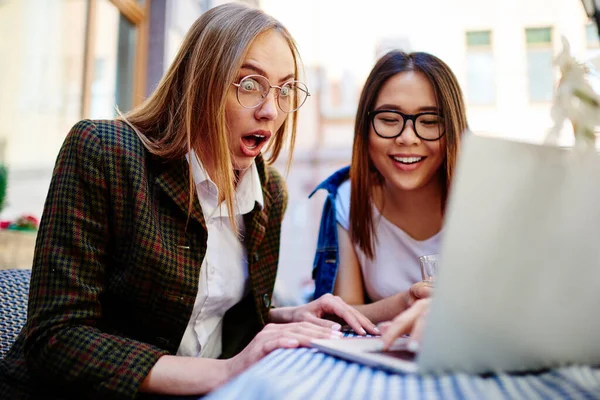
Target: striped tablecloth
(310, 374)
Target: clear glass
(429, 268)
(253, 89)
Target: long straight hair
(363, 174)
(187, 109)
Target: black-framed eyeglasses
(390, 124)
(254, 89)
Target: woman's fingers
(274, 336)
(422, 290)
(416, 334)
(279, 342)
(365, 322)
(406, 322)
(303, 332)
(325, 323)
(399, 326)
(307, 331)
(356, 320)
(384, 326)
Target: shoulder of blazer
(276, 188)
(116, 138)
(121, 147)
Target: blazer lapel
(256, 220)
(256, 223)
(256, 226)
(174, 180)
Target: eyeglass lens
(253, 89)
(427, 126)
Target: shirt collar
(248, 191)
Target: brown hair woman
(386, 210)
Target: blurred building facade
(65, 60)
(500, 50)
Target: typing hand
(275, 336)
(411, 321)
(419, 290)
(318, 312)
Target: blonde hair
(187, 109)
(363, 174)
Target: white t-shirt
(395, 265)
(223, 279)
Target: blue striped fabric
(308, 373)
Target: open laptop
(369, 351)
(493, 312)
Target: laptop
(492, 312)
(369, 351)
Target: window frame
(594, 43)
(139, 16)
(487, 48)
(539, 46)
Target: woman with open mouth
(386, 209)
(158, 247)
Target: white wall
(343, 38)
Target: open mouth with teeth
(407, 160)
(253, 141)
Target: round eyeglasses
(254, 89)
(390, 124)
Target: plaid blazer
(117, 265)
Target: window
(539, 64)
(114, 62)
(481, 85)
(116, 70)
(591, 34)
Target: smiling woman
(387, 209)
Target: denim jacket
(327, 261)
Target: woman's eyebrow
(397, 108)
(260, 71)
(429, 108)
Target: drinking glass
(429, 267)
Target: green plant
(3, 184)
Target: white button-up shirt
(223, 280)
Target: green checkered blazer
(116, 269)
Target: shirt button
(255, 257)
(266, 300)
(212, 269)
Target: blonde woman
(159, 243)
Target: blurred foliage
(3, 184)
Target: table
(16, 249)
(309, 374)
